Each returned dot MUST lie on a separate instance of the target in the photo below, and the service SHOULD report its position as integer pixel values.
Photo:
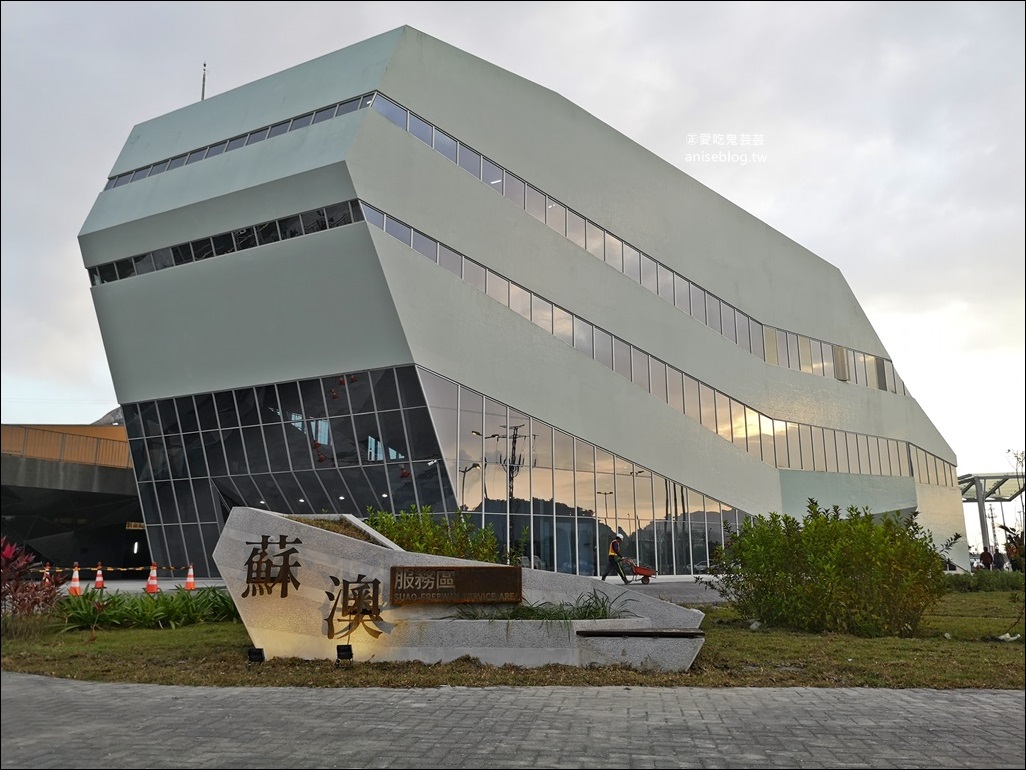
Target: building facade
(398, 275)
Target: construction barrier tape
(106, 569)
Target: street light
(605, 497)
(463, 484)
(513, 464)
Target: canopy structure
(982, 488)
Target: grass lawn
(956, 647)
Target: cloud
(893, 141)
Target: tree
(1014, 537)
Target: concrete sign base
(303, 592)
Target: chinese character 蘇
(262, 574)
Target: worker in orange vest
(615, 559)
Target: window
(541, 313)
(278, 129)
(614, 252)
(563, 324)
(555, 216)
(513, 189)
(445, 144)
(712, 311)
(348, 106)
(728, 326)
(575, 228)
(223, 244)
(321, 115)
(267, 233)
(498, 288)
(426, 246)
(390, 110)
(520, 300)
(256, 136)
(301, 122)
(583, 336)
(398, 230)
(491, 175)
(450, 260)
(420, 129)
(202, 249)
(621, 358)
(289, 227)
(639, 368)
(698, 303)
(665, 279)
(469, 161)
(603, 348)
(474, 274)
(314, 221)
(649, 273)
(595, 237)
(535, 203)
(338, 214)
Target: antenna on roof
(203, 91)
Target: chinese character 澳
(359, 600)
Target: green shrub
(100, 609)
(986, 580)
(854, 573)
(420, 531)
(1014, 546)
(593, 606)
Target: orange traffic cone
(190, 580)
(46, 575)
(98, 583)
(151, 584)
(75, 589)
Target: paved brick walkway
(51, 723)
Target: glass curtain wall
(400, 438)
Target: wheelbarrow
(635, 571)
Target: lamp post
(512, 464)
(484, 479)
(637, 518)
(993, 527)
(605, 497)
(463, 484)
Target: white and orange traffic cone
(98, 583)
(75, 589)
(190, 580)
(47, 580)
(151, 584)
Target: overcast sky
(892, 143)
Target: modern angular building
(398, 275)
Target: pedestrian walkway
(52, 723)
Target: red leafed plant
(21, 594)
